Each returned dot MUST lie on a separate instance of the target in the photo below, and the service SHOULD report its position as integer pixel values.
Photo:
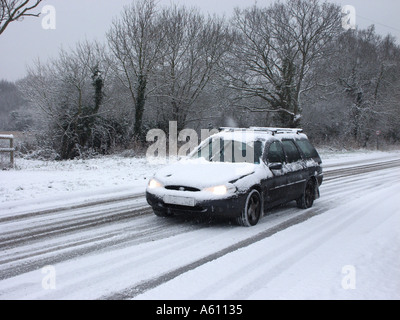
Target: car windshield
(234, 151)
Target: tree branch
(13, 10)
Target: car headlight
(154, 184)
(220, 190)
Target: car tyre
(251, 212)
(306, 200)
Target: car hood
(202, 174)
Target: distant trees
(289, 64)
(70, 92)
(275, 54)
(14, 115)
(14, 10)
(358, 90)
(136, 41)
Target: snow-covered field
(36, 179)
(349, 250)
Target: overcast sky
(77, 20)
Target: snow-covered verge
(35, 182)
(335, 156)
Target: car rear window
(307, 148)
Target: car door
(297, 170)
(275, 186)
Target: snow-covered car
(240, 173)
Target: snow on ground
(351, 251)
(34, 182)
(335, 158)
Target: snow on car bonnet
(199, 173)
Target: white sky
(77, 20)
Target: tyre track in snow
(138, 289)
(142, 227)
(32, 254)
(58, 209)
(276, 260)
(72, 222)
(357, 170)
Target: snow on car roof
(259, 133)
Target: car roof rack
(277, 130)
(264, 129)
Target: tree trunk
(140, 104)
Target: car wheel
(307, 198)
(163, 214)
(252, 210)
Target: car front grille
(182, 188)
(175, 207)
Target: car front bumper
(230, 207)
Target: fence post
(11, 149)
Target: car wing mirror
(275, 166)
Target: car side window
(307, 148)
(275, 153)
(291, 151)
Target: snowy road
(114, 248)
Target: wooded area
(287, 65)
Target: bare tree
(135, 41)
(276, 50)
(69, 91)
(194, 47)
(13, 10)
(368, 75)
(11, 107)
(360, 92)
